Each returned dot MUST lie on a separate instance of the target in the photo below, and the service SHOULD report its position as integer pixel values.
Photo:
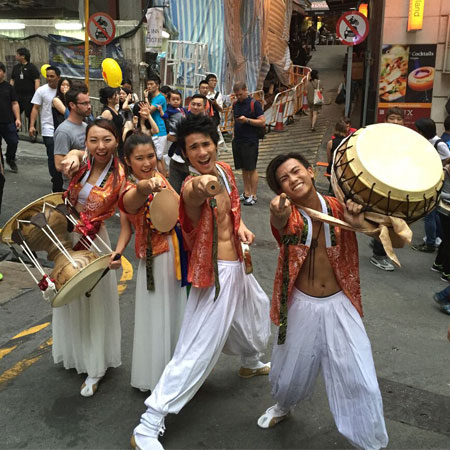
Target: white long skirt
(86, 331)
(157, 321)
(328, 334)
(237, 323)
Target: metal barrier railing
(284, 106)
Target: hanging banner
(406, 80)
(70, 58)
(155, 22)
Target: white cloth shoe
(90, 386)
(145, 436)
(272, 417)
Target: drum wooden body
(390, 170)
(70, 281)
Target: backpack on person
(216, 117)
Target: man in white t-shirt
(42, 99)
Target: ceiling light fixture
(11, 26)
(68, 26)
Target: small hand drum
(163, 210)
(389, 169)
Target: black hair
(271, 171)
(22, 51)
(55, 69)
(154, 78)
(205, 100)
(106, 93)
(447, 123)
(127, 81)
(211, 75)
(59, 94)
(2, 67)
(426, 127)
(166, 90)
(314, 75)
(74, 91)
(105, 124)
(132, 142)
(176, 93)
(196, 124)
(340, 128)
(395, 110)
(202, 82)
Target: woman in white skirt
(160, 297)
(86, 332)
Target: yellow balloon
(112, 73)
(44, 70)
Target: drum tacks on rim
(390, 170)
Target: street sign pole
(348, 87)
(86, 42)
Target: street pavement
(40, 403)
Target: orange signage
(415, 16)
(363, 8)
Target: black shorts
(245, 154)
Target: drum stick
(88, 293)
(213, 188)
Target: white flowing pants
(328, 333)
(237, 323)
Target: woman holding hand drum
(160, 297)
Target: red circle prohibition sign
(102, 22)
(351, 35)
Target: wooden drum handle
(213, 188)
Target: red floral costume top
(102, 200)
(201, 240)
(149, 242)
(342, 251)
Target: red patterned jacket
(198, 240)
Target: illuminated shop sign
(415, 16)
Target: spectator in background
(165, 90)
(311, 34)
(126, 104)
(203, 89)
(9, 119)
(446, 134)
(155, 98)
(42, 99)
(71, 134)
(427, 128)
(313, 84)
(248, 117)
(109, 98)
(60, 111)
(340, 133)
(26, 79)
(214, 97)
(129, 85)
(348, 124)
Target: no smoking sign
(352, 28)
(101, 28)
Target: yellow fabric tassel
(177, 261)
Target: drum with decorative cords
(390, 170)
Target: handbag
(340, 98)
(318, 97)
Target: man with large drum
(317, 304)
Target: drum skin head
(164, 210)
(397, 159)
(80, 283)
(11, 225)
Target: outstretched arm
(122, 241)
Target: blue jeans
(57, 181)
(8, 132)
(432, 227)
(444, 295)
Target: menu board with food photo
(406, 80)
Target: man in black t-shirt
(9, 118)
(25, 79)
(248, 117)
